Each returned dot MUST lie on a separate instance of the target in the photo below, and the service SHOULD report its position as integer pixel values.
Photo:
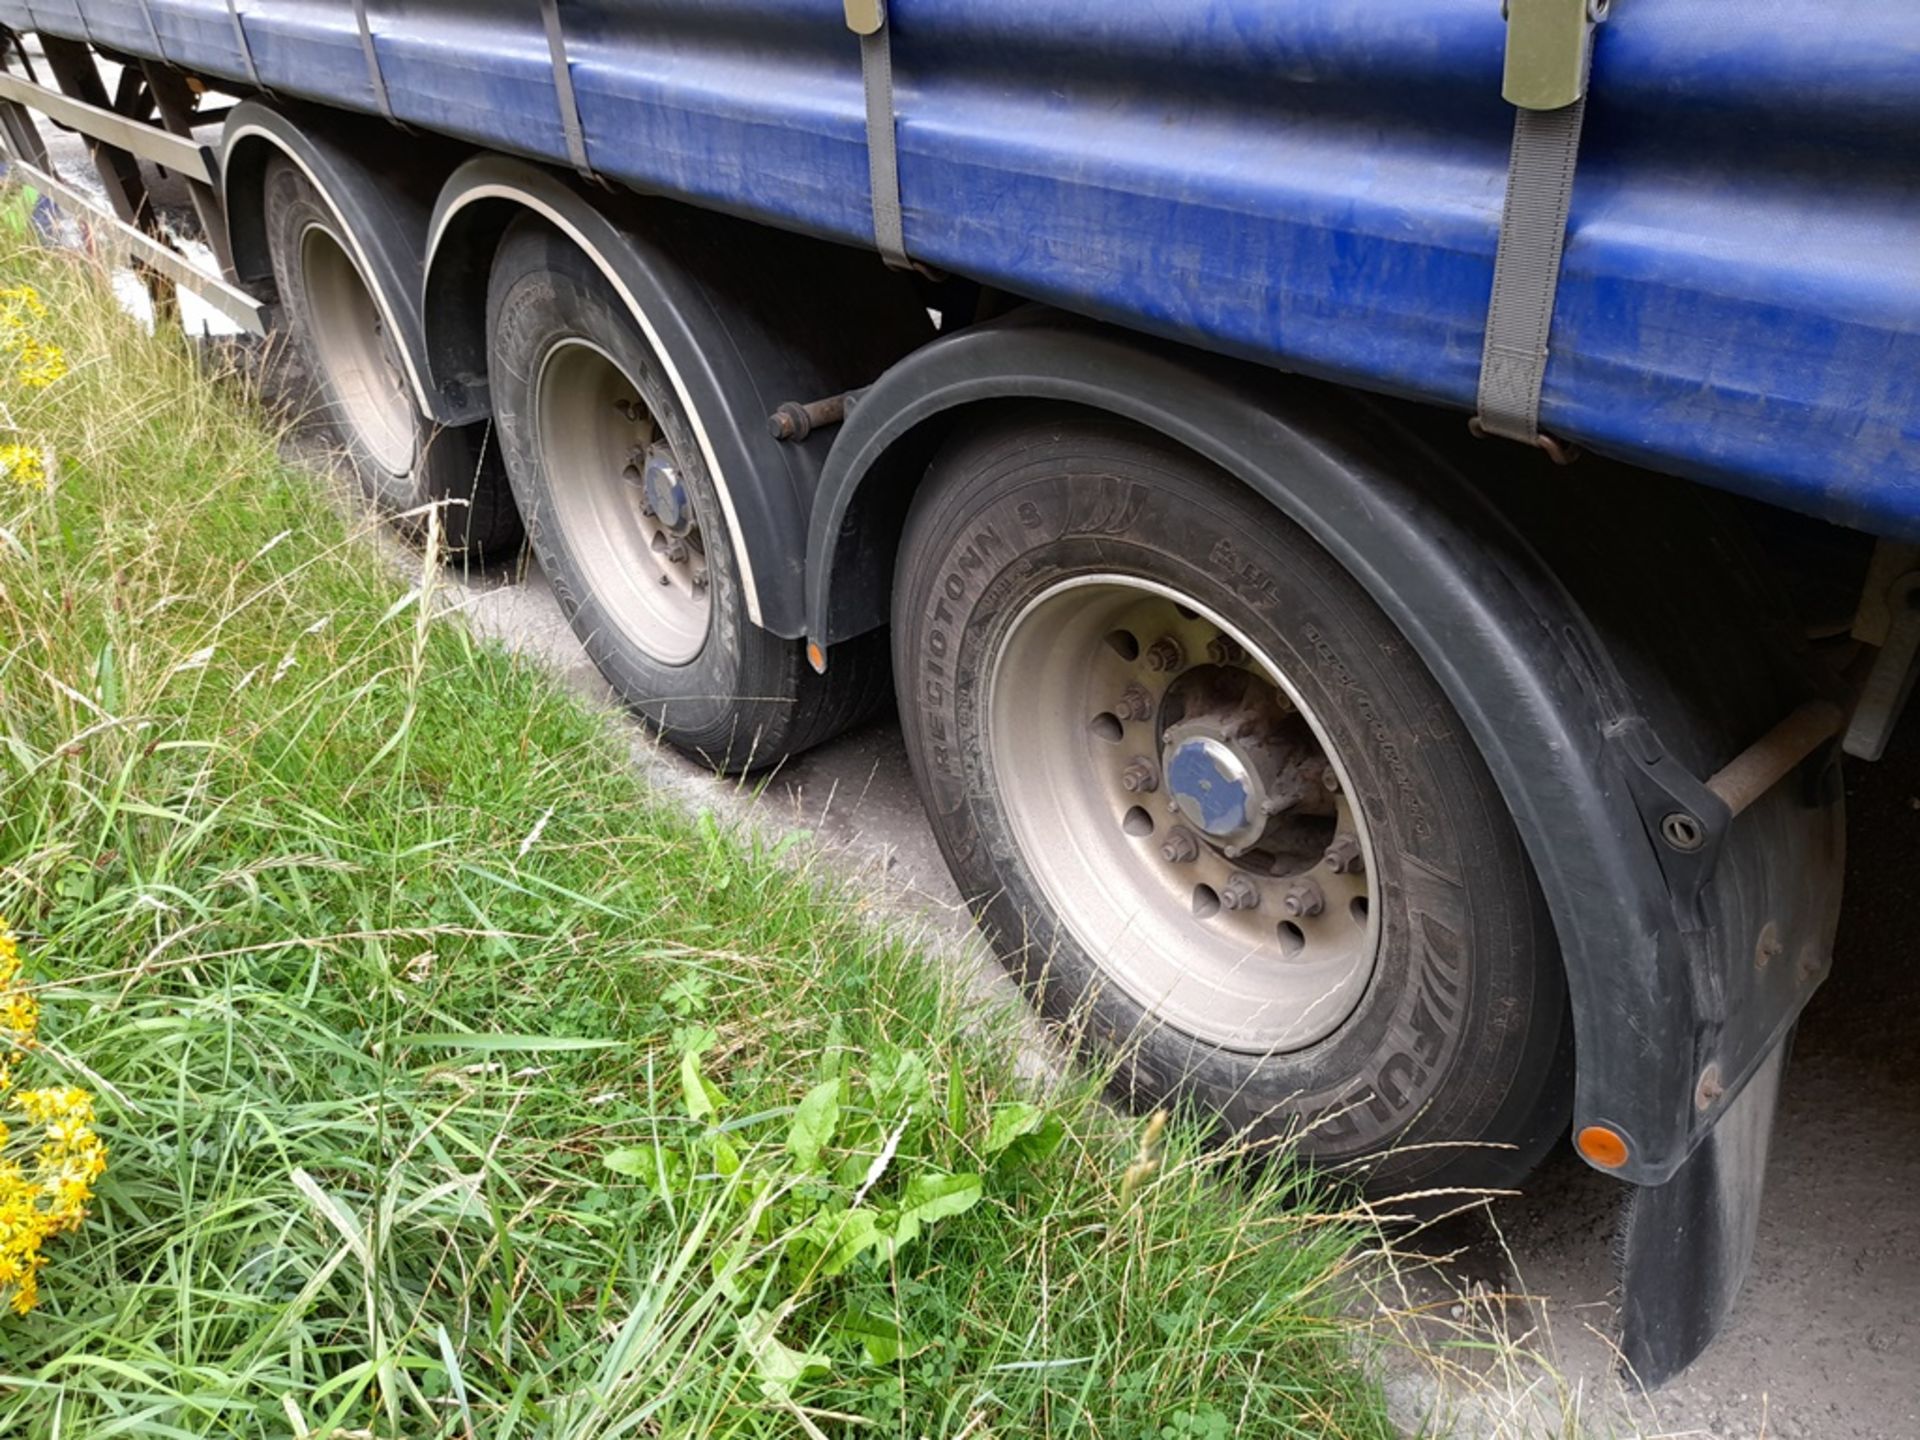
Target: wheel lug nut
(1240, 893)
(1140, 777)
(1222, 651)
(1181, 847)
(1165, 654)
(1134, 703)
(1330, 780)
(1343, 857)
(1303, 899)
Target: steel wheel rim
(595, 439)
(1259, 979)
(357, 352)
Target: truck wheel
(404, 460)
(628, 527)
(1217, 815)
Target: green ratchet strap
(868, 20)
(1549, 53)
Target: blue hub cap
(1211, 785)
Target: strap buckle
(865, 17)
(1548, 43)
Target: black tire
(413, 462)
(1460, 1041)
(747, 699)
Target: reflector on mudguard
(1684, 1246)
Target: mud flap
(1684, 1246)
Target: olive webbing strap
(563, 91)
(374, 77)
(246, 50)
(868, 20)
(153, 33)
(1526, 266)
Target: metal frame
(229, 300)
(185, 157)
(117, 142)
(76, 71)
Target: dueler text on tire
(625, 520)
(404, 460)
(1217, 812)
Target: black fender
(1587, 710)
(375, 181)
(742, 318)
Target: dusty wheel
(1215, 811)
(627, 524)
(404, 460)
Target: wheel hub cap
(1184, 812)
(1213, 786)
(621, 501)
(666, 495)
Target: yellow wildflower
(36, 361)
(37, 364)
(19, 1011)
(23, 467)
(49, 1164)
(20, 306)
(52, 1106)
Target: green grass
(373, 949)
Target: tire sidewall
(1445, 1039)
(293, 207)
(542, 294)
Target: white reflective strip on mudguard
(346, 233)
(508, 192)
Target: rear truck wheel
(1217, 815)
(404, 461)
(625, 520)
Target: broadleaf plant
(807, 1213)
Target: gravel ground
(1825, 1343)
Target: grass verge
(456, 1087)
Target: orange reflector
(1602, 1147)
(817, 658)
